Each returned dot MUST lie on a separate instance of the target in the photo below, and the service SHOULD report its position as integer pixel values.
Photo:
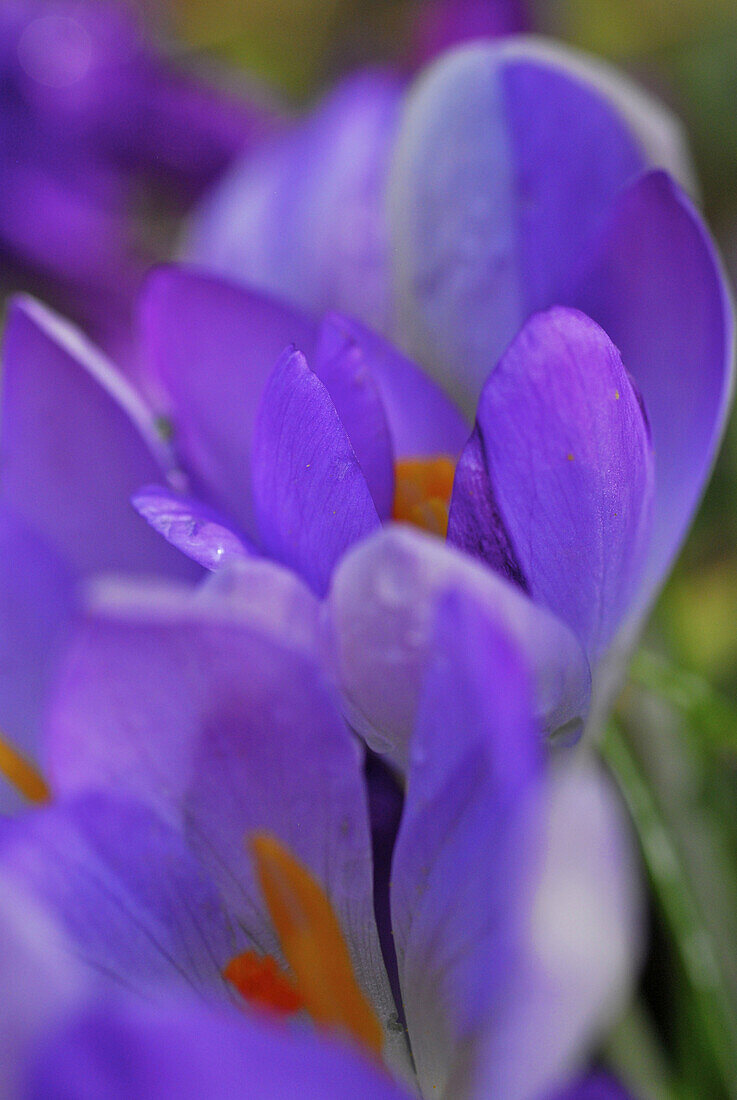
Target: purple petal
(421, 418)
(441, 24)
(467, 845)
(271, 596)
(583, 941)
(40, 980)
(381, 609)
(349, 379)
(596, 1086)
(304, 217)
(657, 288)
(209, 348)
(36, 598)
(131, 899)
(120, 1050)
(555, 490)
(310, 495)
(191, 527)
(228, 727)
(76, 442)
(529, 146)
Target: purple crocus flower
(307, 216)
(70, 519)
(90, 113)
(514, 176)
(213, 722)
(305, 461)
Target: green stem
(634, 1054)
(672, 887)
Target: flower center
(322, 979)
(22, 774)
(422, 492)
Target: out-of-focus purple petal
(40, 980)
(36, 596)
(310, 495)
(79, 239)
(341, 366)
(198, 531)
(85, 69)
(183, 129)
(656, 286)
(119, 1050)
(131, 899)
(583, 942)
(441, 24)
(304, 217)
(228, 727)
(381, 609)
(208, 348)
(466, 853)
(76, 442)
(271, 596)
(529, 146)
(556, 489)
(423, 421)
(596, 1086)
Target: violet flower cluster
(93, 117)
(227, 893)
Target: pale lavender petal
(422, 420)
(119, 1050)
(310, 495)
(583, 945)
(655, 284)
(131, 899)
(380, 612)
(555, 490)
(529, 147)
(208, 348)
(198, 531)
(304, 217)
(272, 596)
(40, 980)
(76, 442)
(466, 853)
(228, 727)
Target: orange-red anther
(24, 776)
(313, 944)
(260, 980)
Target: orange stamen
(260, 980)
(422, 493)
(313, 944)
(22, 774)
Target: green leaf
(673, 887)
(709, 715)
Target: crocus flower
(304, 461)
(213, 723)
(92, 114)
(514, 176)
(66, 521)
(307, 215)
